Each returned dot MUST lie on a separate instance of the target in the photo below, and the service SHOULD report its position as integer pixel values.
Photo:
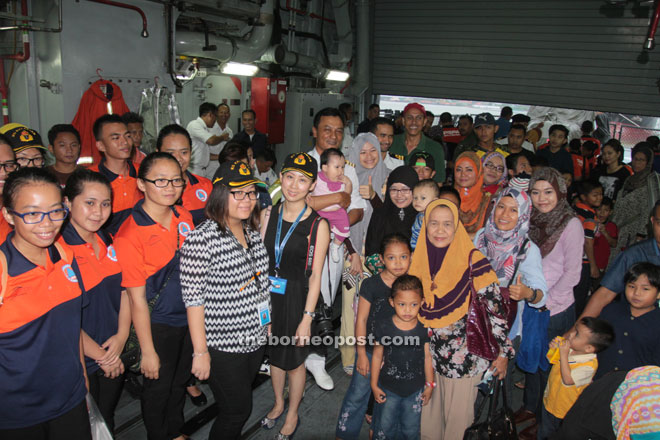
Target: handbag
(506, 296)
(131, 356)
(480, 339)
(534, 344)
(499, 424)
(100, 430)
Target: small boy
(64, 143)
(520, 171)
(401, 372)
(574, 371)
(556, 154)
(424, 192)
(590, 197)
(331, 180)
(423, 163)
(263, 167)
(606, 234)
(636, 322)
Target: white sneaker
(334, 251)
(322, 378)
(265, 367)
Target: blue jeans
(354, 406)
(399, 417)
(535, 383)
(549, 425)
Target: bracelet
(430, 385)
(200, 354)
(312, 314)
(533, 298)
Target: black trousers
(163, 398)
(231, 380)
(71, 425)
(581, 290)
(106, 393)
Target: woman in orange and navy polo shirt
(107, 320)
(175, 140)
(147, 245)
(42, 380)
(7, 165)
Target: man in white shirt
(328, 131)
(201, 132)
(222, 130)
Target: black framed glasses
(26, 162)
(490, 166)
(9, 166)
(162, 183)
(400, 191)
(240, 195)
(34, 217)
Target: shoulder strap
(518, 261)
(5, 276)
(311, 245)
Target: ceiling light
(239, 69)
(336, 75)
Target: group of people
(200, 261)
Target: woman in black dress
(295, 287)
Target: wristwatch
(312, 314)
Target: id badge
(264, 313)
(277, 285)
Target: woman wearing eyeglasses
(107, 319)
(224, 279)
(42, 380)
(396, 215)
(147, 247)
(495, 173)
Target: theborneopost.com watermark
(331, 341)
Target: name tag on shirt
(264, 313)
(277, 285)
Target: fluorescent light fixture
(239, 69)
(336, 75)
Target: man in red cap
(413, 139)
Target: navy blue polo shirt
(101, 279)
(147, 255)
(646, 250)
(636, 341)
(41, 377)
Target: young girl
(107, 320)
(373, 307)
(401, 365)
(147, 245)
(42, 380)
(332, 180)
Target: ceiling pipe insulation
(360, 78)
(280, 55)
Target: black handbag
(499, 424)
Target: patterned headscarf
(488, 157)
(636, 405)
(545, 229)
(502, 248)
(474, 200)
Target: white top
(347, 142)
(200, 156)
(392, 162)
(269, 177)
(357, 202)
(217, 149)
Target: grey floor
(318, 412)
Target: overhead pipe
(305, 13)
(360, 79)
(25, 27)
(227, 48)
(344, 31)
(144, 33)
(649, 44)
(280, 55)
(21, 57)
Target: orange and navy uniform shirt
(587, 216)
(125, 193)
(147, 254)
(41, 377)
(101, 279)
(5, 228)
(582, 166)
(195, 195)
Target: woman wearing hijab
(468, 181)
(372, 174)
(514, 258)
(396, 215)
(495, 173)
(558, 233)
(637, 197)
(442, 261)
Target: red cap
(412, 105)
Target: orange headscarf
(447, 295)
(474, 200)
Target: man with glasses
(413, 139)
(114, 142)
(27, 145)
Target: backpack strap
(311, 245)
